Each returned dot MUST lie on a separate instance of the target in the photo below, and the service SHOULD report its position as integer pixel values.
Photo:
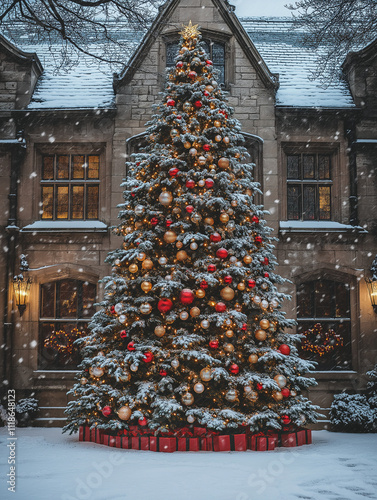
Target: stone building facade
(314, 151)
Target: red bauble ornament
(209, 183)
(259, 386)
(209, 62)
(170, 102)
(168, 223)
(190, 183)
(179, 64)
(178, 117)
(133, 195)
(198, 104)
(286, 420)
(192, 75)
(207, 147)
(112, 310)
(215, 237)
(244, 327)
(266, 261)
(164, 305)
(234, 369)
(148, 357)
(154, 221)
(222, 253)
(163, 373)
(106, 411)
(211, 268)
(204, 284)
(214, 344)
(255, 219)
(251, 283)
(173, 172)
(187, 296)
(220, 307)
(131, 346)
(266, 275)
(228, 279)
(258, 239)
(143, 421)
(123, 334)
(285, 392)
(285, 349)
(206, 93)
(189, 209)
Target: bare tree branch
(334, 28)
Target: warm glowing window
(65, 308)
(70, 187)
(309, 184)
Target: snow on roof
(281, 47)
(88, 84)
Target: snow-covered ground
(52, 466)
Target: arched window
(215, 50)
(324, 317)
(65, 308)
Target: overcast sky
(261, 7)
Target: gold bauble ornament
(170, 236)
(182, 255)
(224, 217)
(209, 88)
(218, 138)
(190, 419)
(205, 324)
(209, 221)
(194, 312)
(206, 374)
(264, 323)
(96, 371)
(229, 333)
(226, 140)
(165, 198)
(231, 395)
(252, 396)
(145, 308)
(124, 413)
(217, 123)
(187, 145)
(264, 304)
(146, 286)
(229, 348)
(133, 268)
(125, 376)
(200, 293)
(179, 244)
(253, 358)
(227, 293)
(260, 335)
(248, 259)
(196, 218)
(280, 380)
(278, 396)
(159, 331)
(198, 387)
(241, 286)
(187, 399)
(141, 256)
(83, 380)
(175, 363)
(202, 161)
(184, 315)
(223, 162)
(147, 264)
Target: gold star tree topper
(190, 31)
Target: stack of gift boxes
(196, 439)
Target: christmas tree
(191, 328)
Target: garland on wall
(318, 341)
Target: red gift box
(84, 433)
(123, 442)
(167, 444)
(140, 442)
(232, 442)
(188, 444)
(109, 440)
(200, 431)
(263, 443)
(206, 443)
(96, 435)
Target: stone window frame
(352, 281)
(70, 149)
(300, 148)
(213, 36)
